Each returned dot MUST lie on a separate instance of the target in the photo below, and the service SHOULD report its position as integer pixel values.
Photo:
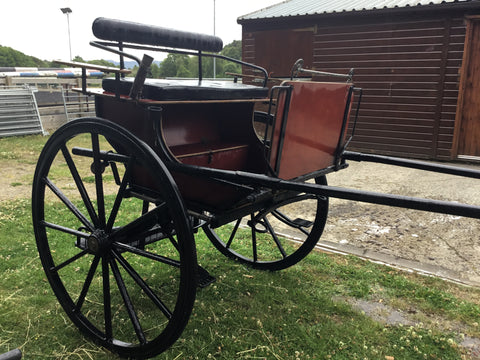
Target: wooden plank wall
(408, 67)
(409, 74)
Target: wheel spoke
(274, 222)
(254, 240)
(234, 232)
(143, 285)
(146, 221)
(69, 204)
(107, 306)
(173, 241)
(98, 169)
(275, 237)
(87, 283)
(80, 185)
(96, 240)
(128, 302)
(69, 261)
(64, 229)
(120, 194)
(147, 254)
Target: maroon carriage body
(215, 129)
(216, 133)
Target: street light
(214, 59)
(67, 11)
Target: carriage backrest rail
(132, 35)
(131, 32)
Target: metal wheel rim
(187, 287)
(291, 259)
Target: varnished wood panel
(408, 67)
(468, 115)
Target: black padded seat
(188, 90)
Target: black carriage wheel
(119, 257)
(264, 238)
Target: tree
(13, 58)
(78, 59)
(185, 66)
(172, 63)
(102, 63)
(155, 71)
(234, 51)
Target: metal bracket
(298, 68)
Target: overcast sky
(39, 28)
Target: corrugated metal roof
(290, 8)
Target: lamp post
(214, 62)
(67, 11)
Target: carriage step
(204, 278)
(302, 223)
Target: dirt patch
(16, 179)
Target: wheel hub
(98, 242)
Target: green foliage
(233, 50)
(94, 62)
(175, 65)
(13, 58)
(179, 65)
(154, 71)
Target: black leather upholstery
(184, 90)
(132, 32)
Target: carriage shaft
(438, 206)
(413, 164)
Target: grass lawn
(304, 312)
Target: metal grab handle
(142, 73)
(298, 68)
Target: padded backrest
(132, 32)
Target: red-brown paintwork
(221, 135)
(218, 135)
(313, 127)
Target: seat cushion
(185, 90)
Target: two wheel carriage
(117, 198)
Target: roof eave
(466, 6)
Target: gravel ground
(447, 244)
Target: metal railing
(77, 104)
(19, 111)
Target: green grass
(299, 313)
(246, 314)
(24, 149)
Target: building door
(467, 122)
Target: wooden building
(418, 63)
